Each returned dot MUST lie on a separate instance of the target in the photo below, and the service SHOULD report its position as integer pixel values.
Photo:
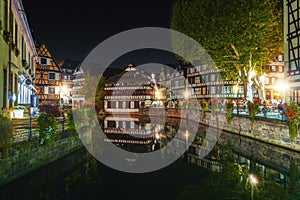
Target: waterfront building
(208, 83)
(292, 48)
(128, 91)
(69, 67)
(78, 81)
(172, 79)
(17, 55)
(274, 80)
(48, 77)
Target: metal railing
(267, 112)
(26, 130)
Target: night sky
(71, 29)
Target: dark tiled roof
(70, 64)
(129, 77)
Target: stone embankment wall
(271, 131)
(26, 157)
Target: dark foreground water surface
(79, 176)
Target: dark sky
(71, 29)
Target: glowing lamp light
(252, 74)
(186, 134)
(235, 88)
(253, 180)
(157, 136)
(64, 88)
(282, 87)
(158, 95)
(186, 94)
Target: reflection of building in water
(132, 135)
(135, 136)
(128, 91)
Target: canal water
(222, 174)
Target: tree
(100, 93)
(92, 92)
(242, 36)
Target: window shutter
(56, 76)
(46, 90)
(56, 90)
(48, 61)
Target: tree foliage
(93, 90)
(241, 35)
(47, 128)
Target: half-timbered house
(48, 77)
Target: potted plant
(166, 103)
(6, 36)
(229, 111)
(25, 64)
(253, 108)
(204, 108)
(19, 111)
(293, 113)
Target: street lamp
(186, 95)
(235, 91)
(282, 87)
(63, 92)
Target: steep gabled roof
(43, 51)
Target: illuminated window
(280, 68)
(273, 68)
(204, 90)
(212, 77)
(267, 81)
(213, 90)
(226, 90)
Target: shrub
(214, 106)
(6, 133)
(229, 110)
(204, 108)
(70, 121)
(51, 109)
(47, 128)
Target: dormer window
(44, 61)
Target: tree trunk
(262, 93)
(249, 91)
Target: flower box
(18, 113)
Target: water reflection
(132, 134)
(236, 168)
(142, 135)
